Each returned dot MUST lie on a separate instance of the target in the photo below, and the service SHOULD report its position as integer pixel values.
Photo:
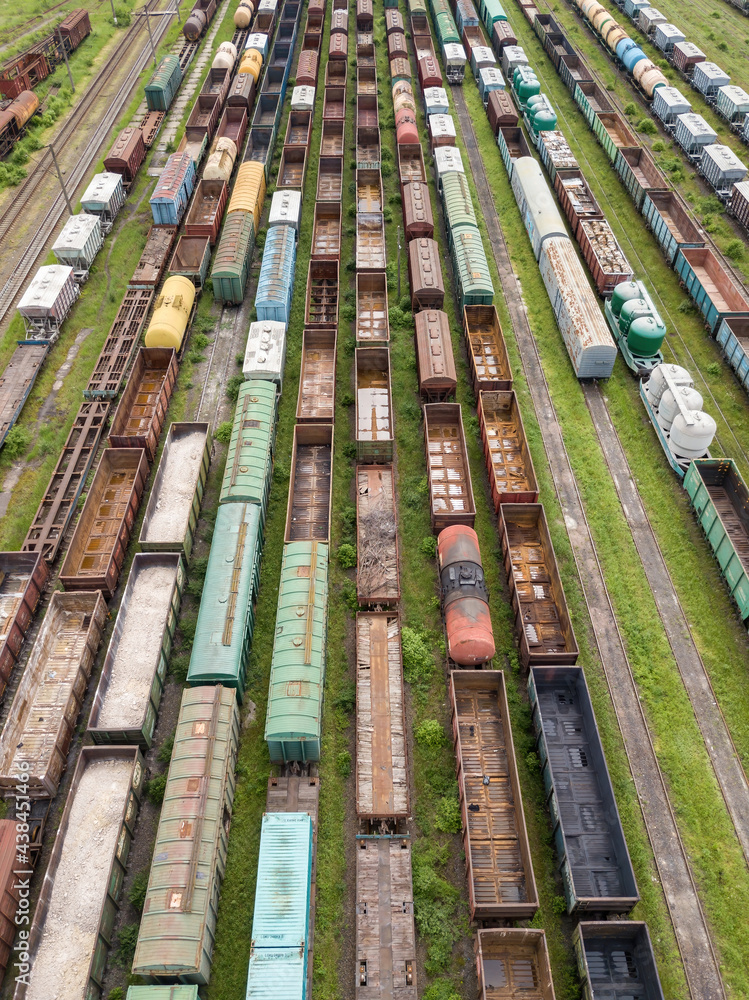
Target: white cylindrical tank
(657, 383)
(225, 57)
(669, 405)
(692, 440)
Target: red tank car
(465, 599)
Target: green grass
(702, 816)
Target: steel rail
(690, 926)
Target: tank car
(15, 118)
(465, 599)
(195, 25)
(171, 313)
(243, 14)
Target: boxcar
(487, 351)
(377, 569)
(385, 935)
(177, 929)
(308, 511)
(435, 363)
(470, 267)
(425, 274)
(297, 674)
(127, 154)
(316, 400)
(501, 884)
(542, 620)
(89, 858)
(381, 751)
(275, 287)
(508, 960)
(249, 462)
(46, 704)
(449, 475)
(174, 505)
(616, 956)
(512, 478)
(132, 679)
(418, 221)
(596, 870)
(232, 261)
(164, 84)
(23, 577)
(265, 353)
(140, 415)
(501, 112)
(720, 500)
(99, 545)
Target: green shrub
(346, 399)
(431, 735)
(124, 952)
(429, 546)
(116, 994)
(631, 109)
(435, 904)
(343, 763)
(223, 432)
(233, 386)
(659, 146)
(647, 126)
(137, 894)
(16, 443)
(448, 818)
(178, 667)
(443, 989)
(714, 368)
(346, 556)
(165, 750)
(155, 789)
(735, 250)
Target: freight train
(29, 68)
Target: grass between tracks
(709, 837)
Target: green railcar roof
(249, 461)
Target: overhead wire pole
(65, 57)
(157, 13)
(59, 177)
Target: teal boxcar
(474, 281)
(297, 673)
(164, 84)
(163, 993)
(232, 262)
(249, 463)
(226, 618)
(721, 502)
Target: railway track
(723, 755)
(30, 191)
(690, 926)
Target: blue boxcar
(173, 190)
(275, 286)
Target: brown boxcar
(97, 550)
(203, 118)
(430, 74)
(75, 27)
(367, 114)
(338, 47)
(372, 308)
(330, 178)
(435, 363)
(377, 568)
(310, 491)
(393, 20)
(366, 80)
(364, 15)
(217, 84)
(576, 199)
(450, 489)
(487, 351)
(233, 125)
(512, 956)
(381, 744)
(542, 620)
(127, 154)
(48, 700)
(23, 577)
(298, 129)
(502, 34)
(334, 104)
(24, 73)
(368, 148)
(316, 399)
(207, 210)
(603, 255)
(501, 884)
(322, 294)
(139, 418)
(307, 67)
(425, 274)
(396, 41)
(400, 68)
(242, 91)
(292, 168)
(326, 231)
(369, 191)
(332, 138)
(512, 478)
(374, 405)
(370, 241)
(411, 164)
(417, 211)
(336, 73)
(9, 889)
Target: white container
(79, 242)
(481, 57)
(441, 127)
(286, 209)
(732, 103)
(693, 133)
(447, 158)
(512, 57)
(692, 439)
(721, 168)
(584, 330)
(265, 354)
(490, 78)
(48, 300)
(669, 103)
(225, 57)
(538, 209)
(435, 101)
(267, 6)
(708, 78)
(454, 56)
(666, 36)
(257, 40)
(648, 18)
(673, 400)
(104, 197)
(303, 99)
(658, 383)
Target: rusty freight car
(153, 260)
(418, 220)
(139, 418)
(377, 568)
(450, 489)
(310, 490)
(425, 274)
(369, 191)
(501, 884)
(512, 478)
(372, 308)
(97, 550)
(374, 405)
(487, 351)
(316, 400)
(207, 209)
(326, 231)
(370, 241)
(542, 620)
(381, 762)
(23, 577)
(329, 178)
(293, 167)
(511, 962)
(435, 362)
(321, 309)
